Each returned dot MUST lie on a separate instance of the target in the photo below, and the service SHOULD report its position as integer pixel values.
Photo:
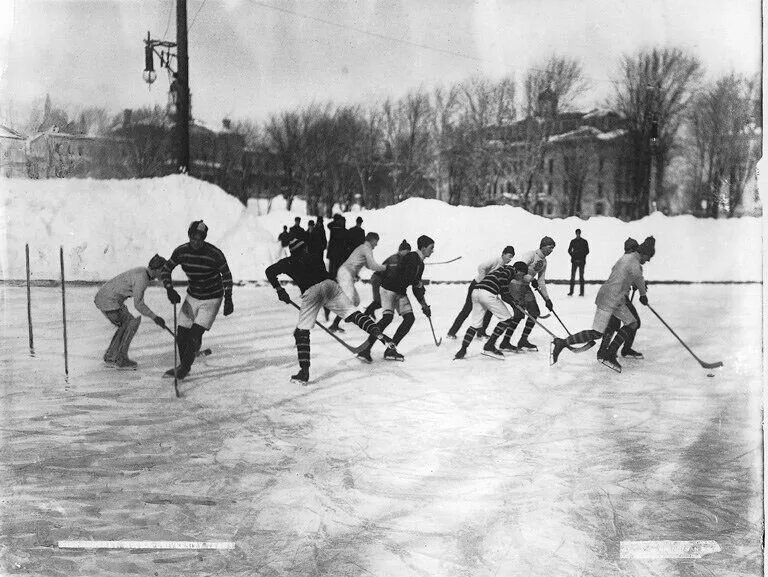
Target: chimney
(227, 123)
(127, 117)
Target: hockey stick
(702, 363)
(444, 261)
(561, 322)
(437, 342)
(541, 316)
(582, 349)
(349, 347)
(175, 378)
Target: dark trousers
(578, 264)
(465, 310)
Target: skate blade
(491, 355)
(124, 368)
(395, 360)
(609, 365)
(363, 359)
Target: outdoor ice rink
(425, 468)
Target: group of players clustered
(500, 285)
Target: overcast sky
(250, 58)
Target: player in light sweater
(349, 271)
(110, 300)
(520, 291)
(611, 302)
(484, 269)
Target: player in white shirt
(349, 271)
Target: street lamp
(149, 75)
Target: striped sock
(583, 337)
(497, 332)
(527, 329)
(302, 347)
(618, 340)
(468, 336)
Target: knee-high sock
(468, 336)
(618, 340)
(613, 325)
(629, 341)
(194, 337)
(583, 337)
(514, 321)
(371, 309)
(381, 325)
(497, 332)
(301, 337)
(183, 342)
(365, 323)
(487, 319)
(405, 326)
(527, 329)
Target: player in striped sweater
(486, 297)
(210, 282)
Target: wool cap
(630, 245)
(198, 226)
(156, 262)
(404, 245)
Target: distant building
(54, 154)
(585, 152)
(13, 154)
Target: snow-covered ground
(427, 467)
(106, 226)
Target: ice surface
(427, 467)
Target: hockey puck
(710, 374)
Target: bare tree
(443, 123)
(576, 170)
(653, 93)
(548, 90)
(148, 134)
(726, 144)
(284, 139)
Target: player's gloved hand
(426, 310)
(548, 304)
(534, 283)
(229, 307)
(644, 300)
(160, 321)
(283, 295)
(173, 296)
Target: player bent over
(610, 302)
(486, 297)
(391, 262)
(318, 290)
(110, 300)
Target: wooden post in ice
(29, 306)
(64, 310)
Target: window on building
(509, 187)
(550, 209)
(565, 188)
(550, 188)
(599, 208)
(551, 165)
(602, 163)
(599, 190)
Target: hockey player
(611, 301)
(317, 290)
(110, 300)
(391, 263)
(394, 298)
(520, 291)
(209, 281)
(486, 297)
(337, 242)
(483, 269)
(349, 272)
(630, 245)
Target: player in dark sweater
(318, 289)
(391, 262)
(394, 298)
(210, 281)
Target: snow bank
(107, 226)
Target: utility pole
(182, 80)
(179, 96)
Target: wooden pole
(29, 306)
(64, 311)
